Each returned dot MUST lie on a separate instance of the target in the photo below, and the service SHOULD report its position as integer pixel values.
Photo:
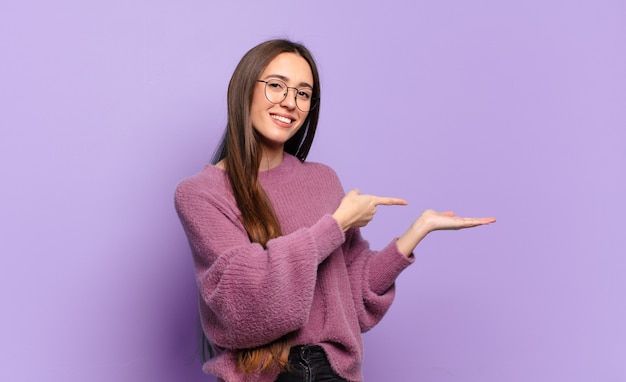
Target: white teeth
(282, 119)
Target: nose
(289, 101)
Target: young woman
(286, 282)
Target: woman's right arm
(252, 295)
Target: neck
(271, 158)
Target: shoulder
(322, 171)
(302, 178)
(210, 183)
(319, 178)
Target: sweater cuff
(386, 267)
(327, 236)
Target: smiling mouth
(282, 119)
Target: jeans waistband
(306, 351)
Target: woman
(286, 282)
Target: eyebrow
(281, 77)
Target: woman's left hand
(434, 221)
(430, 221)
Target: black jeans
(308, 363)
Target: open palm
(447, 220)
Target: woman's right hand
(356, 210)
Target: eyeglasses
(276, 91)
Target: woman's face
(277, 122)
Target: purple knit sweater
(325, 286)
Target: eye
(305, 94)
(276, 86)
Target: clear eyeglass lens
(276, 91)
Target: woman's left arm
(373, 273)
(372, 276)
(430, 221)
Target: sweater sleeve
(250, 295)
(372, 277)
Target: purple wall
(510, 109)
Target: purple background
(510, 109)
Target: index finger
(379, 200)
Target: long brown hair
(240, 151)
